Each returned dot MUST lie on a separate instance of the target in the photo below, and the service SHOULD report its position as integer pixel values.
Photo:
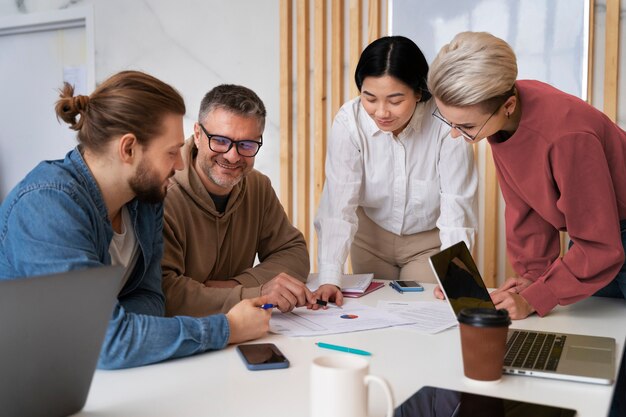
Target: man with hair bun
(102, 205)
(560, 164)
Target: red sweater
(563, 169)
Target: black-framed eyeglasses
(222, 144)
(466, 135)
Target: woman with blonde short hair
(560, 163)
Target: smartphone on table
(406, 286)
(259, 356)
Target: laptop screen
(459, 278)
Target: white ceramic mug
(339, 387)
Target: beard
(211, 169)
(147, 185)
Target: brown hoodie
(201, 244)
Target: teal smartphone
(260, 356)
(407, 286)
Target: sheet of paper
(352, 318)
(427, 316)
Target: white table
(217, 384)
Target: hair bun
(80, 103)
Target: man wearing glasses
(220, 214)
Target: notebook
(52, 328)
(543, 354)
(372, 287)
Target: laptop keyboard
(531, 350)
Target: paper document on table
(349, 282)
(353, 317)
(428, 316)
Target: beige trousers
(390, 256)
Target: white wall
(38, 50)
(192, 44)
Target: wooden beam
(304, 119)
(474, 249)
(385, 23)
(490, 244)
(319, 99)
(286, 106)
(591, 50)
(611, 64)
(356, 28)
(320, 108)
(373, 23)
(336, 57)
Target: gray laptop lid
(585, 358)
(52, 328)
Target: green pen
(343, 349)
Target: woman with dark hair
(397, 186)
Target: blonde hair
(474, 68)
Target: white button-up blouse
(407, 184)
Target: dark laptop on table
(51, 333)
(543, 354)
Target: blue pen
(268, 306)
(395, 288)
(343, 349)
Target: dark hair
(127, 102)
(234, 98)
(398, 57)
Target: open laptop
(51, 333)
(543, 354)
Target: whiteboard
(549, 37)
(36, 52)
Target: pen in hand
(268, 306)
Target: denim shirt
(55, 220)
